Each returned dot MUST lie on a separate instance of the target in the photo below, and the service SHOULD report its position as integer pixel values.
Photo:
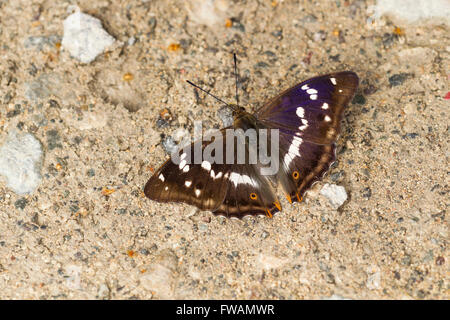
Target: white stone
(335, 194)
(20, 162)
(436, 11)
(84, 37)
(207, 12)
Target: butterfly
(307, 117)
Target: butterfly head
(237, 110)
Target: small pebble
(319, 36)
(20, 162)
(84, 37)
(40, 42)
(265, 234)
(367, 193)
(335, 194)
(359, 99)
(169, 144)
(42, 87)
(398, 79)
(440, 261)
(21, 203)
(53, 140)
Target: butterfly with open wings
(307, 116)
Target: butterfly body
(307, 117)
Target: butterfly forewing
(313, 108)
(308, 116)
(187, 182)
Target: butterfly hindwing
(301, 164)
(248, 193)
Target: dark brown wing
(231, 190)
(189, 183)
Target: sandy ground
(88, 232)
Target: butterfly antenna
(208, 93)
(237, 77)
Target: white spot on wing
(287, 159)
(304, 126)
(325, 106)
(188, 183)
(294, 150)
(166, 188)
(300, 112)
(182, 164)
(311, 91)
(313, 96)
(206, 165)
(333, 81)
(161, 177)
(236, 179)
(183, 156)
(186, 168)
(215, 176)
(197, 192)
(297, 141)
(327, 119)
(305, 87)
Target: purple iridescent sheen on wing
(313, 108)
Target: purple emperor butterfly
(307, 117)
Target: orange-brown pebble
(228, 23)
(399, 31)
(107, 192)
(174, 47)
(128, 76)
(131, 253)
